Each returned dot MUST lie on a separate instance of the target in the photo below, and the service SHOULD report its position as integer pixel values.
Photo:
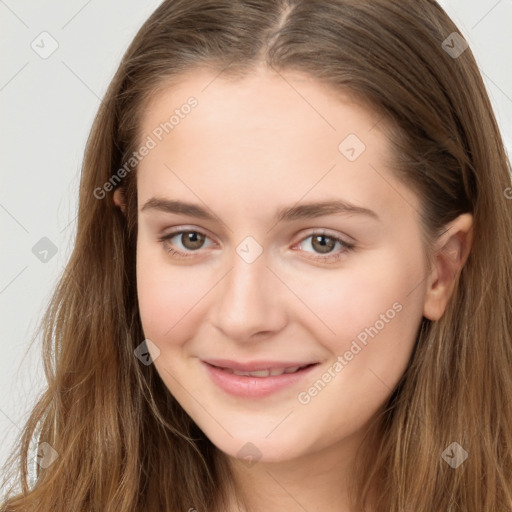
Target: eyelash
(331, 257)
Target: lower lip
(255, 387)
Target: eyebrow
(291, 213)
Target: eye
(324, 244)
(190, 240)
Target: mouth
(260, 381)
(265, 372)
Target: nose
(249, 302)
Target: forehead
(266, 137)
(259, 96)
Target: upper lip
(255, 365)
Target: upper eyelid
(179, 231)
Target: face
(252, 273)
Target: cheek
(375, 319)
(368, 314)
(170, 296)
(343, 303)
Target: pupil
(192, 240)
(323, 247)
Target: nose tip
(247, 302)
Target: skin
(249, 148)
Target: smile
(271, 372)
(258, 383)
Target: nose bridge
(247, 278)
(247, 300)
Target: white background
(47, 108)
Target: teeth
(264, 373)
(292, 370)
(259, 373)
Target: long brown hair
(123, 442)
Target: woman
(290, 284)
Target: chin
(260, 449)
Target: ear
(451, 252)
(119, 200)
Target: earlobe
(451, 253)
(119, 200)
